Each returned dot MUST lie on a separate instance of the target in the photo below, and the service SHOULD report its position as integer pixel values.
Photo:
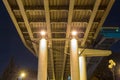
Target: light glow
(79, 52)
(74, 33)
(22, 75)
(43, 33)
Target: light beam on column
(74, 63)
(42, 60)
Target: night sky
(11, 45)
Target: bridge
(59, 18)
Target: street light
(111, 66)
(22, 75)
(43, 33)
(74, 33)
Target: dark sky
(11, 45)
(113, 18)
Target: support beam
(53, 32)
(54, 22)
(70, 14)
(56, 9)
(7, 5)
(93, 67)
(103, 38)
(74, 62)
(82, 65)
(57, 39)
(22, 10)
(90, 70)
(52, 64)
(89, 53)
(47, 15)
(95, 9)
(94, 52)
(104, 17)
(42, 60)
(105, 28)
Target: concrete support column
(42, 60)
(74, 62)
(82, 65)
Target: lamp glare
(42, 33)
(22, 74)
(74, 33)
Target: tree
(10, 73)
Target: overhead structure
(89, 53)
(108, 37)
(58, 18)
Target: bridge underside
(58, 18)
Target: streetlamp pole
(113, 73)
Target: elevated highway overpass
(58, 18)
